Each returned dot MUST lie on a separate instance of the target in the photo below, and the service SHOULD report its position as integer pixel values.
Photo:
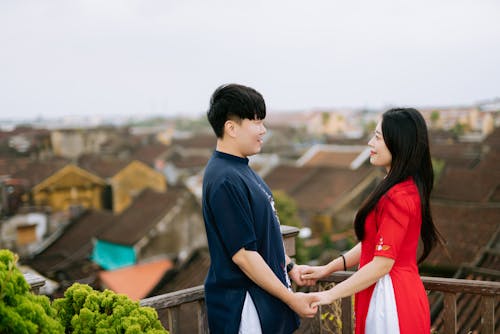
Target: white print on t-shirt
(271, 202)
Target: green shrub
(20, 310)
(84, 310)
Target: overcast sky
(131, 57)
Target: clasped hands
(306, 304)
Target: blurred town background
(113, 200)
(117, 204)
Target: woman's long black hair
(405, 135)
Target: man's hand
(301, 303)
(296, 275)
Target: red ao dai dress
(397, 303)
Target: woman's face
(379, 153)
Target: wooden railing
(488, 291)
(169, 305)
(451, 287)
(172, 302)
(35, 282)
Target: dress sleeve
(394, 215)
(233, 218)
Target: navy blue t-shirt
(238, 210)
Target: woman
(390, 297)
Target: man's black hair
(234, 102)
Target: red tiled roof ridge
(136, 281)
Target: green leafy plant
(84, 310)
(21, 311)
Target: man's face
(249, 136)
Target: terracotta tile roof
(192, 273)
(104, 167)
(493, 140)
(465, 155)
(37, 171)
(333, 159)
(460, 184)
(24, 130)
(331, 155)
(149, 153)
(74, 245)
(287, 178)
(467, 230)
(142, 215)
(495, 195)
(478, 184)
(326, 186)
(135, 281)
(315, 189)
(189, 161)
(10, 166)
(197, 141)
(441, 136)
(490, 161)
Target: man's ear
(229, 128)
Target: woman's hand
(314, 272)
(296, 275)
(321, 298)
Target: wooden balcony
(177, 308)
(488, 293)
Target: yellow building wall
(70, 186)
(133, 179)
(60, 199)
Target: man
(247, 289)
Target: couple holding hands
(247, 288)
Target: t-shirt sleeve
(392, 219)
(233, 218)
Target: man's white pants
(250, 323)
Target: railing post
(450, 313)
(316, 322)
(201, 316)
(173, 319)
(35, 282)
(346, 315)
(289, 233)
(488, 308)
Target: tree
(458, 130)
(288, 215)
(435, 117)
